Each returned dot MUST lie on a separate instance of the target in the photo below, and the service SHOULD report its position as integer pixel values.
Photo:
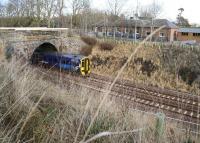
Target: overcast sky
(169, 8)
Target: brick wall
(165, 34)
(188, 37)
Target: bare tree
(61, 6)
(38, 8)
(85, 14)
(145, 13)
(115, 6)
(76, 6)
(50, 8)
(155, 9)
(13, 8)
(28, 8)
(151, 11)
(2, 10)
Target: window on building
(162, 34)
(148, 33)
(185, 33)
(196, 34)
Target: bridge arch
(45, 47)
(42, 48)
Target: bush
(89, 40)
(86, 50)
(106, 46)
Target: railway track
(187, 104)
(179, 105)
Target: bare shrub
(188, 75)
(89, 40)
(106, 46)
(147, 66)
(86, 50)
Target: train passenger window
(68, 62)
(63, 62)
(55, 60)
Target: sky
(169, 8)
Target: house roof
(139, 23)
(167, 23)
(189, 30)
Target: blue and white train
(68, 62)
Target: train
(74, 63)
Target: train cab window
(83, 63)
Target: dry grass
(156, 65)
(90, 44)
(107, 46)
(89, 40)
(86, 50)
(35, 110)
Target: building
(142, 28)
(188, 34)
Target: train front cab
(85, 66)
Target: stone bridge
(27, 48)
(22, 43)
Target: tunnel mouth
(39, 51)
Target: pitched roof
(167, 23)
(189, 30)
(139, 23)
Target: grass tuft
(89, 40)
(106, 46)
(86, 50)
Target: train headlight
(77, 68)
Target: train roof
(65, 55)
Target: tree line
(69, 13)
(50, 13)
